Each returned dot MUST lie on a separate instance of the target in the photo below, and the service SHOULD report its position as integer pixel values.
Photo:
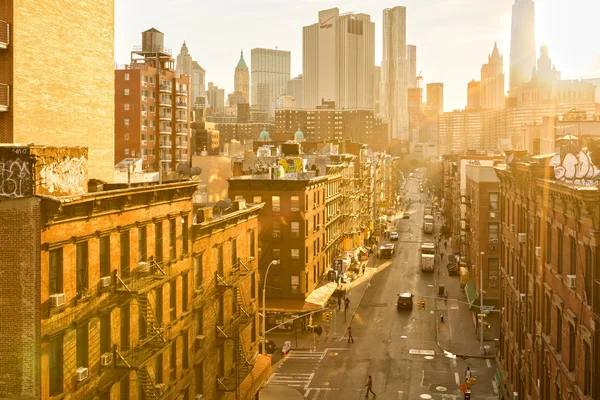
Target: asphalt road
(398, 348)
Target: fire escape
(153, 337)
(230, 329)
(465, 228)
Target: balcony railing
(4, 97)
(166, 145)
(165, 88)
(181, 105)
(4, 34)
(165, 116)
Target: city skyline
(570, 49)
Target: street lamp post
(264, 324)
(481, 351)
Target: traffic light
(421, 305)
(327, 316)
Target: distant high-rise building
(338, 57)
(411, 56)
(71, 103)
(545, 70)
(492, 82)
(435, 98)
(216, 98)
(474, 95)
(295, 88)
(241, 81)
(270, 75)
(522, 42)
(394, 74)
(187, 66)
(377, 90)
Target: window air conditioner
(200, 341)
(106, 359)
(143, 267)
(571, 281)
(522, 237)
(105, 281)
(58, 299)
(494, 241)
(538, 251)
(294, 209)
(81, 374)
(512, 228)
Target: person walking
(326, 331)
(369, 387)
(350, 338)
(468, 375)
(339, 303)
(363, 268)
(346, 303)
(445, 245)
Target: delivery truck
(427, 257)
(428, 224)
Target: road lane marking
(454, 361)
(421, 352)
(456, 378)
(400, 394)
(495, 385)
(489, 364)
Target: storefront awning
(316, 300)
(254, 381)
(471, 294)
(321, 296)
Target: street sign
(488, 308)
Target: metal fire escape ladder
(151, 390)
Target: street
(398, 348)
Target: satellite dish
(228, 201)
(183, 169)
(222, 205)
(195, 171)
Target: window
(295, 254)
(158, 368)
(588, 274)
(184, 235)
(587, 369)
(55, 366)
(275, 202)
(126, 77)
(295, 229)
(184, 350)
(295, 203)
(82, 345)
(572, 354)
(559, 262)
(126, 121)
(253, 286)
(253, 331)
(252, 244)
(173, 361)
(276, 254)
(306, 228)
(142, 244)
(548, 243)
(221, 359)
(573, 253)
(125, 266)
(126, 92)
(142, 315)
(184, 292)
(152, 110)
(158, 243)
(493, 272)
(55, 276)
(105, 256)
(82, 268)
(173, 300)
(234, 252)
(159, 305)
(172, 239)
(548, 316)
(198, 272)
(559, 330)
(493, 198)
(199, 378)
(276, 228)
(256, 199)
(220, 260)
(126, 106)
(295, 283)
(199, 321)
(105, 339)
(125, 324)
(306, 254)
(493, 232)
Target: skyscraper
(411, 56)
(241, 81)
(522, 42)
(492, 81)
(338, 58)
(295, 89)
(376, 90)
(187, 66)
(198, 86)
(435, 98)
(394, 74)
(474, 95)
(270, 74)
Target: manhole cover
(327, 384)
(403, 337)
(429, 357)
(425, 396)
(440, 389)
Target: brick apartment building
(152, 107)
(549, 282)
(108, 300)
(71, 103)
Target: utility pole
(334, 323)
(481, 350)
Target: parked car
(406, 215)
(453, 269)
(394, 236)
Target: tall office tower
(295, 89)
(338, 58)
(377, 90)
(241, 81)
(435, 98)
(270, 75)
(545, 70)
(152, 108)
(59, 92)
(522, 42)
(411, 56)
(492, 82)
(187, 66)
(394, 74)
(216, 98)
(474, 95)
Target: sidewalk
(459, 333)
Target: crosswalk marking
(299, 380)
(317, 392)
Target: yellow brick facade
(63, 77)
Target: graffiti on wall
(15, 178)
(67, 175)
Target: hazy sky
(453, 37)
